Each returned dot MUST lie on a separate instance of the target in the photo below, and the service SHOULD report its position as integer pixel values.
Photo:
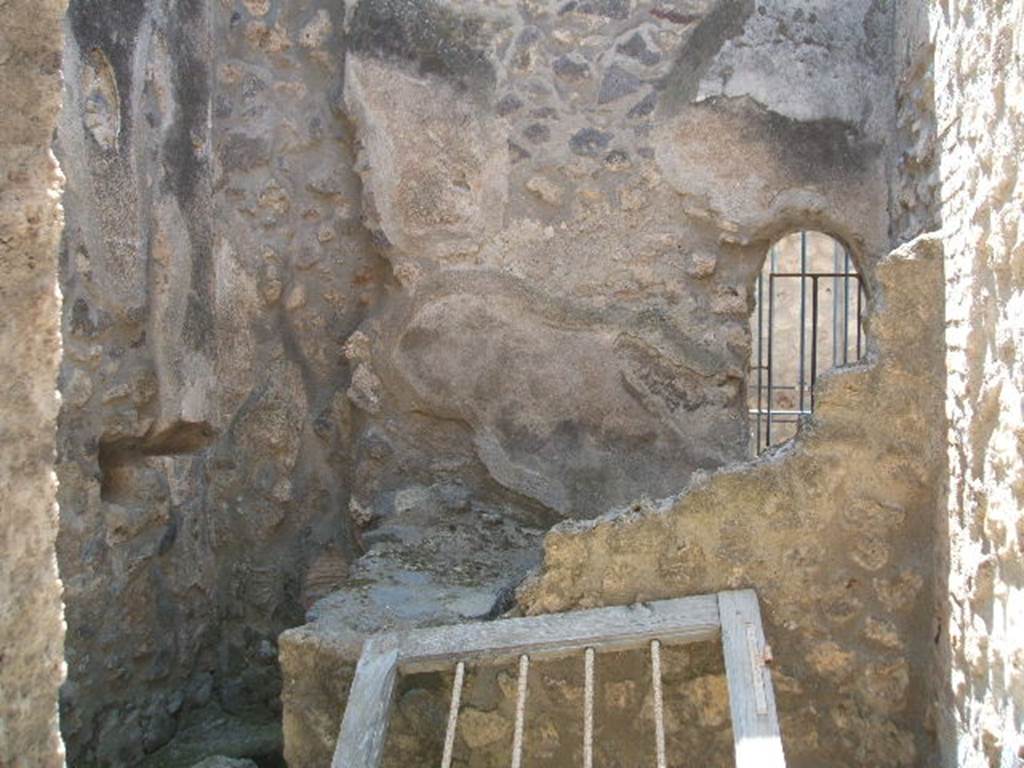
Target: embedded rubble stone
(616, 84)
(435, 166)
(589, 141)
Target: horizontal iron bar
(816, 274)
(785, 386)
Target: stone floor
(424, 565)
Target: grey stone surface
(617, 83)
(210, 738)
(571, 66)
(590, 142)
(637, 46)
(224, 762)
(556, 352)
(213, 266)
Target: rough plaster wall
(833, 531)
(914, 189)
(696, 724)
(573, 246)
(979, 93)
(544, 223)
(574, 202)
(213, 268)
(530, 203)
(31, 621)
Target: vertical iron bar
(860, 293)
(803, 312)
(760, 360)
(846, 309)
(835, 304)
(771, 372)
(814, 336)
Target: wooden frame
(732, 616)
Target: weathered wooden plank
(588, 708)
(688, 619)
(364, 727)
(755, 723)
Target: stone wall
(31, 622)
(573, 203)
(979, 124)
(213, 268)
(914, 189)
(832, 530)
(361, 298)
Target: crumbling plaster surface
(31, 615)
(979, 124)
(696, 724)
(833, 530)
(568, 327)
(213, 267)
(914, 190)
(597, 235)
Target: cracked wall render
(31, 622)
(979, 124)
(213, 268)
(828, 529)
(299, 331)
(230, 443)
(569, 324)
(601, 363)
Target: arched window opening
(810, 304)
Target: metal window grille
(781, 394)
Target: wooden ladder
(733, 616)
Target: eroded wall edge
(31, 615)
(833, 530)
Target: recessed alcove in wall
(123, 460)
(808, 316)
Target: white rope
(659, 707)
(517, 739)
(453, 715)
(588, 709)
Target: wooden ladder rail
(734, 617)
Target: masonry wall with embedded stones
(213, 267)
(361, 299)
(977, 67)
(573, 299)
(31, 621)
(833, 530)
(302, 242)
